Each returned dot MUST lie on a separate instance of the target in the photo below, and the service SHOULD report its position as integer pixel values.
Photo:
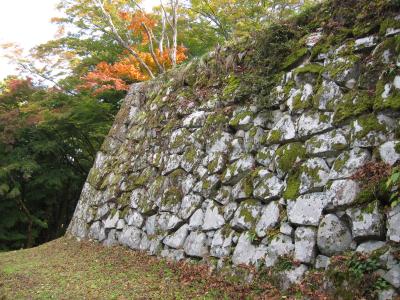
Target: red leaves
(371, 173)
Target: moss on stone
(239, 117)
(232, 84)
(368, 123)
(294, 58)
(274, 137)
(388, 23)
(309, 68)
(290, 154)
(292, 186)
(246, 208)
(353, 104)
(340, 162)
(171, 197)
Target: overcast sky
(27, 23)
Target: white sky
(27, 23)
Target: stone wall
(211, 178)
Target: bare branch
(151, 48)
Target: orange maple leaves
(127, 69)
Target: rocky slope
(246, 156)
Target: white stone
(168, 221)
(367, 221)
(311, 123)
(220, 142)
(322, 262)
(238, 169)
(305, 244)
(269, 219)
(281, 245)
(292, 276)
(246, 215)
(173, 254)
(328, 95)
(221, 243)
(333, 237)
(265, 156)
(195, 119)
(307, 209)
(131, 237)
(348, 162)
(315, 174)
(393, 224)
(196, 220)
(370, 246)
(195, 244)
(366, 42)
(111, 221)
(246, 253)
(393, 276)
(388, 152)
(177, 239)
(286, 229)
(213, 219)
(327, 143)
(97, 232)
(286, 129)
(224, 195)
(229, 210)
(188, 205)
(135, 219)
(172, 163)
(266, 185)
(343, 193)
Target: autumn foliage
(127, 69)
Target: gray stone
(168, 221)
(312, 123)
(195, 119)
(130, 237)
(135, 219)
(189, 204)
(243, 189)
(97, 232)
(242, 120)
(237, 149)
(246, 215)
(221, 243)
(307, 209)
(195, 244)
(365, 43)
(393, 224)
(111, 221)
(328, 143)
(173, 254)
(266, 185)
(265, 157)
(224, 195)
(112, 238)
(281, 245)
(196, 220)
(305, 244)
(172, 163)
(393, 276)
(328, 95)
(314, 174)
(370, 246)
(322, 262)
(269, 218)
(348, 162)
(388, 294)
(286, 229)
(177, 239)
(238, 169)
(252, 139)
(292, 276)
(215, 162)
(151, 225)
(388, 152)
(213, 217)
(120, 224)
(333, 237)
(246, 253)
(219, 142)
(229, 210)
(190, 159)
(284, 130)
(343, 193)
(367, 221)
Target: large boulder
(334, 236)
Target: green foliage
(46, 150)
